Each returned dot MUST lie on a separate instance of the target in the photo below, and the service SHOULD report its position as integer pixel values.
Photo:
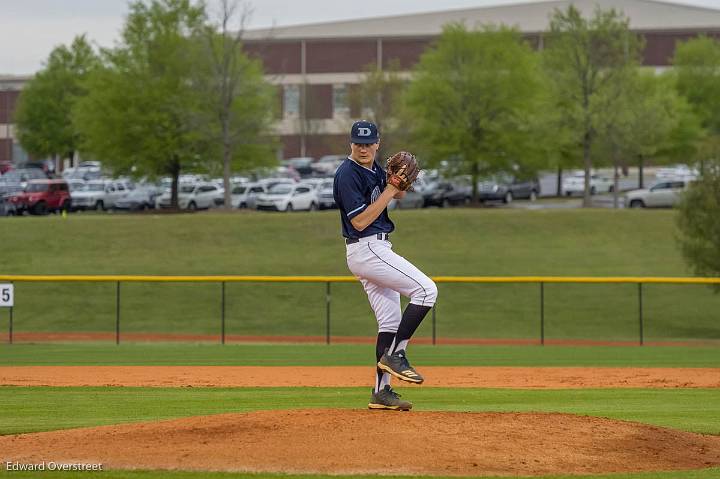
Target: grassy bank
(480, 242)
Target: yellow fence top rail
(348, 279)
(176, 279)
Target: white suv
(325, 196)
(193, 196)
(99, 195)
(245, 194)
(575, 183)
(662, 195)
(288, 197)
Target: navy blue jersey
(354, 188)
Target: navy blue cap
(364, 132)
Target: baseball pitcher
(362, 191)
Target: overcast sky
(30, 29)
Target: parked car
(506, 188)
(286, 197)
(153, 188)
(46, 166)
(136, 200)
(245, 195)
(99, 194)
(43, 196)
(324, 194)
(314, 182)
(327, 164)
(75, 185)
(15, 181)
(676, 173)
(302, 165)
(86, 171)
(423, 182)
(286, 172)
(193, 196)
(164, 184)
(88, 195)
(575, 184)
(7, 207)
(446, 194)
(122, 186)
(665, 194)
(90, 164)
(412, 199)
(240, 179)
(270, 182)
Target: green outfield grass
(33, 409)
(482, 242)
(28, 409)
(169, 354)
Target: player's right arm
(370, 214)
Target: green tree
(472, 96)
(235, 114)
(698, 225)
(43, 115)
(135, 115)
(697, 70)
(554, 145)
(686, 136)
(377, 97)
(648, 120)
(586, 60)
(697, 66)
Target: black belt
(380, 236)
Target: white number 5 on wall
(7, 295)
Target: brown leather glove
(402, 170)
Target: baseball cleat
(398, 365)
(386, 398)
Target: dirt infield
(339, 376)
(370, 442)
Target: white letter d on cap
(364, 132)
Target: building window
(341, 103)
(291, 101)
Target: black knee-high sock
(411, 319)
(384, 340)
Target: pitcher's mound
(367, 442)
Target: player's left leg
(386, 306)
(404, 277)
(411, 319)
(385, 303)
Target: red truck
(42, 196)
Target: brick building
(10, 86)
(315, 66)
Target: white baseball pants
(385, 275)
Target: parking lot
(285, 190)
